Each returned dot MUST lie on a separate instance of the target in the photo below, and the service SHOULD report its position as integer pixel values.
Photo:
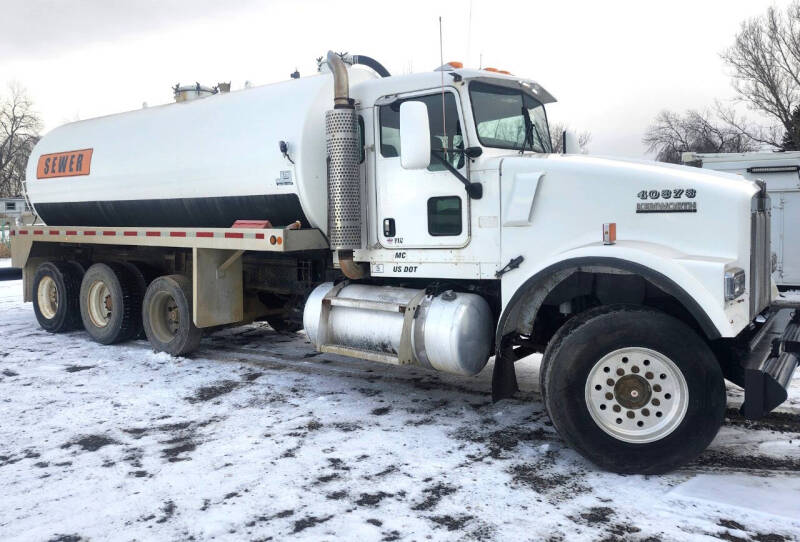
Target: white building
(781, 172)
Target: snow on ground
(258, 437)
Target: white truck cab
(422, 219)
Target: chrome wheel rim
(47, 297)
(637, 395)
(99, 304)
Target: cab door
(426, 208)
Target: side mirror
(569, 143)
(415, 136)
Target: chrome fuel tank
(450, 332)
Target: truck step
(365, 304)
(360, 353)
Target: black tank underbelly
(219, 212)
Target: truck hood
(689, 212)
(636, 170)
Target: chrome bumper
(774, 355)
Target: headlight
(734, 283)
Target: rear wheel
(632, 389)
(56, 289)
(167, 316)
(110, 303)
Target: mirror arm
(474, 190)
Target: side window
(445, 129)
(444, 216)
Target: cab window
(446, 131)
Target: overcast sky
(612, 64)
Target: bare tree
(765, 64)
(671, 134)
(556, 132)
(19, 131)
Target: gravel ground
(258, 437)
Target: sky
(612, 65)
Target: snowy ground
(260, 438)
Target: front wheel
(632, 389)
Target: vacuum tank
(201, 163)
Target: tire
(56, 291)
(670, 392)
(140, 283)
(283, 326)
(167, 316)
(110, 303)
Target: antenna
(469, 35)
(441, 63)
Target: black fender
(504, 380)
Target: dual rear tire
(114, 303)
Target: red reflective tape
(259, 236)
(233, 235)
(38, 232)
(110, 233)
(177, 234)
(129, 233)
(53, 232)
(89, 232)
(153, 234)
(71, 232)
(13, 232)
(23, 232)
(205, 234)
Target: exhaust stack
(344, 179)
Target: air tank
(450, 332)
(199, 163)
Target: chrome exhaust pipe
(344, 173)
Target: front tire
(632, 389)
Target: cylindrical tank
(198, 163)
(451, 332)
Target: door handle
(388, 227)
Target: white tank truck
(420, 219)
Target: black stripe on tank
(221, 212)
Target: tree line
(764, 62)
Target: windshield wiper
(530, 128)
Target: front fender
(696, 282)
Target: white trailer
(420, 219)
(781, 172)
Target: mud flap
(504, 375)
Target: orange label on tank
(64, 164)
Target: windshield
(508, 118)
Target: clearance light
(456, 65)
(609, 233)
(491, 70)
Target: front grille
(760, 253)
